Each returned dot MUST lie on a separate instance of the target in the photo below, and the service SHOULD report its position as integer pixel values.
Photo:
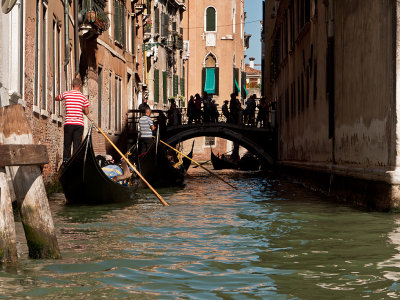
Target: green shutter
(156, 21)
(116, 20)
(123, 25)
(175, 83)
(183, 86)
(164, 79)
(156, 86)
(209, 86)
(210, 19)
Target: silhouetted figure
(197, 102)
(214, 114)
(191, 110)
(225, 111)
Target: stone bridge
(259, 141)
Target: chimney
(252, 59)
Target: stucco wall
(364, 89)
(364, 82)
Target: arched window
(211, 19)
(210, 75)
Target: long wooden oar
(130, 164)
(219, 177)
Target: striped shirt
(75, 101)
(145, 123)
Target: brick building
(40, 54)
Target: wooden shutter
(156, 21)
(156, 86)
(175, 83)
(116, 20)
(203, 79)
(183, 86)
(210, 19)
(165, 98)
(235, 78)
(243, 84)
(217, 81)
(123, 26)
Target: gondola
(249, 162)
(84, 182)
(157, 168)
(222, 163)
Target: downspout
(331, 75)
(330, 69)
(76, 37)
(66, 35)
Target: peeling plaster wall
(364, 87)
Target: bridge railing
(269, 121)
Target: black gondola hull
(220, 164)
(84, 182)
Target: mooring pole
(8, 248)
(29, 187)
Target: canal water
(270, 239)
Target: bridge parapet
(260, 141)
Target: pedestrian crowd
(205, 110)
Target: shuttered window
(156, 86)
(183, 86)
(119, 22)
(164, 25)
(156, 21)
(210, 19)
(165, 88)
(175, 83)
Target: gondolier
(76, 104)
(146, 127)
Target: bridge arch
(258, 141)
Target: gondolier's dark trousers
(72, 134)
(145, 144)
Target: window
(164, 25)
(183, 86)
(119, 22)
(99, 94)
(210, 79)
(37, 39)
(156, 86)
(165, 88)
(211, 19)
(156, 21)
(109, 101)
(209, 141)
(175, 85)
(118, 104)
(54, 69)
(44, 58)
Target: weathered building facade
(45, 44)
(216, 38)
(164, 53)
(333, 71)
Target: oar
(129, 163)
(204, 162)
(219, 177)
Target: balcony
(95, 20)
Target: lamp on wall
(7, 5)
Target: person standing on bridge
(146, 127)
(76, 104)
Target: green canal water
(270, 239)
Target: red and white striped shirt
(75, 101)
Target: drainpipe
(66, 35)
(331, 75)
(76, 37)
